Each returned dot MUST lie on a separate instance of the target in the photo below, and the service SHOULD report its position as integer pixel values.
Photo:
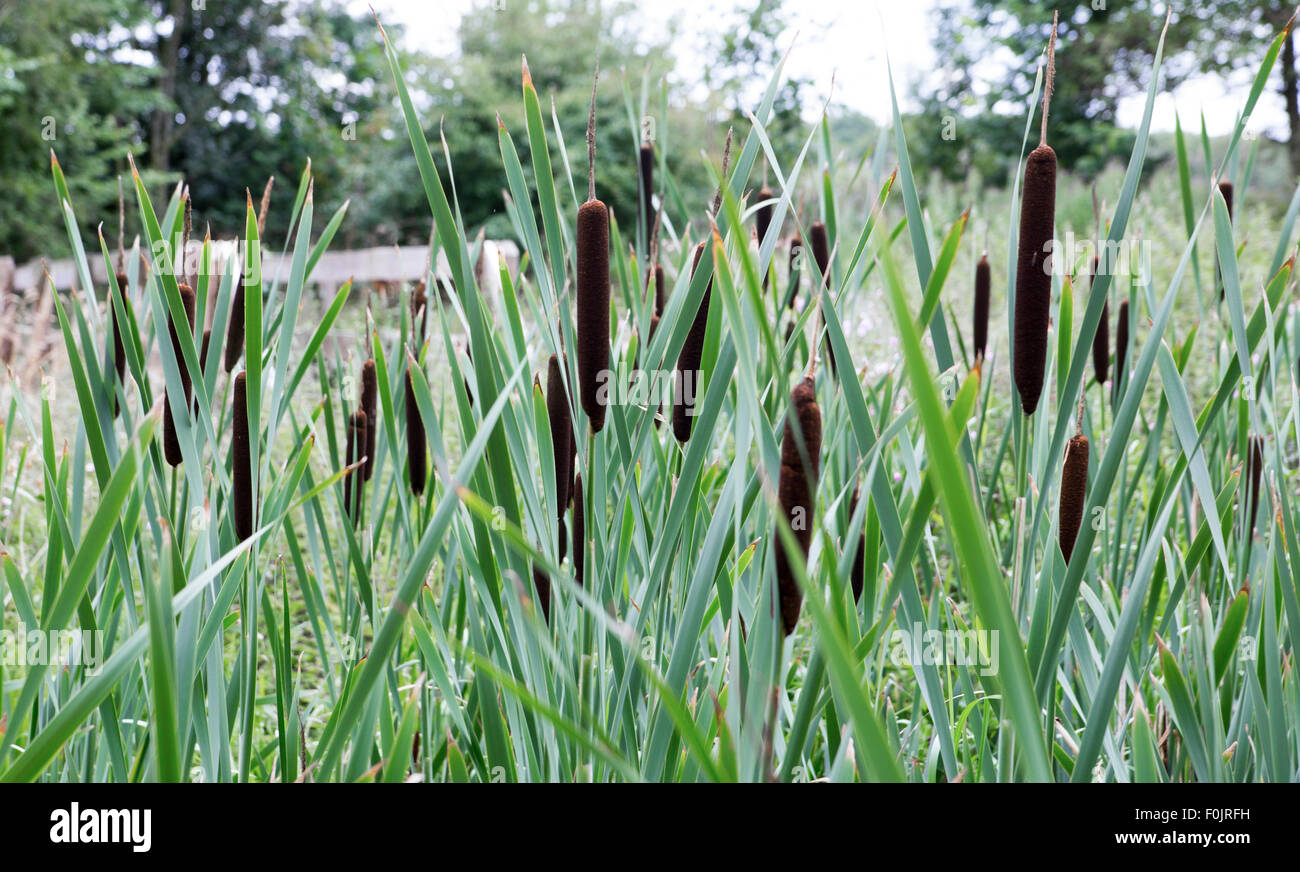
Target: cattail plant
(822, 255)
(241, 461)
(763, 218)
(119, 347)
(417, 470)
(1074, 483)
(794, 264)
(203, 350)
(419, 313)
(557, 412)
(981, 328)
(647, 186)
(1033, 266)
(235, 329)
(579, 531)
(354, 452)
(688, 362)
(860, 554)
(171, 441)
(592, 285)
(1101, 340)
(1225, 188)
(1121, 350)
(369, 401)
(542, 582)
(1254, 472)
(800, 459)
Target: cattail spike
(417, 469)
(1074, 484)
(797, 488)
(687, 384)
(171, 439)
(1100, 340)
(1254, 472)
(557, 411)
(859, 558)
(1034, 275)
(369, 403)
(241, 463)
(1121, 351)
(354, 453)
(983, 282)
(579, 531)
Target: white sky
(845, 41)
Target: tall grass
(1157, 646)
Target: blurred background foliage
(225, 94)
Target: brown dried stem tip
(419, 312)
(797, 487)
(980, 331)
(241, 462)
(171, 442)
(355, 451)
(688, 362)
(369, 403)
(417, 468)
(1074, 484)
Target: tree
(66, 87)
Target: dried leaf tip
(528, 77)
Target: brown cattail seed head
(1034, 275)
(659, 290)
(688, 362)
(795, 262)
(1121, 348)
(821, 248)
(241, 472)
(419, 313)
(171, 441)
(119, 347)
(763, 218)
(369, 402)
(981, 329)
(542, 582)
(557, 411)
(235, 330)
(417, 469)
(860, 556)
(1255, 470)
(593, 307)
(1101, 340)
(797, 488)
(1225, 188)
(355, 450)
(647, 186)
(579, 530)
(1074, 484)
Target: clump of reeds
(171, 441)
(800, 465)
(981, 329)
(1100, 340)
(241, 472)
(1254, 472)
(1074, 484)
(417, 470)
(1033, 266)
(1121, 350)
(354, 452)
(369, 402)
(592, 285)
